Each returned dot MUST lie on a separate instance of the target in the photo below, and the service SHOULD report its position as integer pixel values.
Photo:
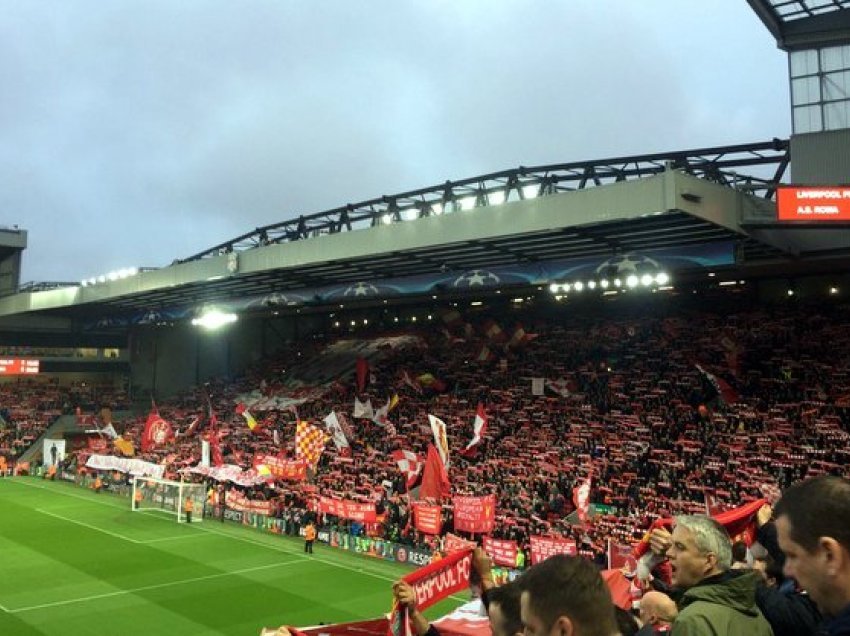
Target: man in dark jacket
(716, 600)
(813, 527)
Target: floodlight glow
(566, 287)
(353, 323)
(101, 279)
(578, 286)
(437, 208)
(591, 284)
(603, 283)
(132, 271)
(467, 203)
(554, 288)
(790, 292)
(112, 276)
(618, 282)
(646, 280)
(833, 290)
(387, 219)
(662, 278)
(409, 215)
(632, 281)
(84, 282)
(214, 319)
(496, 198)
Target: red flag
(156, 432)
(362, 373)
(435, 480)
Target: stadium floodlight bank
(164, 495)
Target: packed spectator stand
(669, 410)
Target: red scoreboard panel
(813, 204)
(18, 366)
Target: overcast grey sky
(134, 133)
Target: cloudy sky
(134, 133)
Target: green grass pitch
(73, 562)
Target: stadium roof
(800, 24)
(515, 217)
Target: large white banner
(54, 451)
(125, 465)
(205, 452)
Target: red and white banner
(621, 557)
(544, 547)
(235, 500)
(427, 518)
(454, 543)
(124, 465)
(475, 514)
(157, 431)
(347, 509)
(441, 441)
(284, 469)
(335, 430)
(432, 584)
(503, 552)
(409, 464)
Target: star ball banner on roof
(706, 255)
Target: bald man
(657, 613)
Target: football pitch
(75, 562)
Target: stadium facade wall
(821, 158)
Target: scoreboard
(19, 366)
(813, 204)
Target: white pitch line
(87, 525)
(145, 588)
(237, 538)
(5, 609)
(174, 538)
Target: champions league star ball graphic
(477, 278)
(361, 289)
(274, 300)
(628, 263)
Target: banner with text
(475, 514)
(346, 509)
(544, 547)
(284, 469)
(427, 518)
(503, 552)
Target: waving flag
(309, 442)
(363, 409)
(337, 434)
(441, 442)
(249, 419)
(409, 464)
(156, 432)
(109, 431)
(435, 480)
(479, 427)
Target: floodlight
(496, 198)
(618, 282)
(632, 281)
(591, 284)
(578, 286)
(554, 288)
(603, 283)
(662, 278)
(646, 280)
(214, 319)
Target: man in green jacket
(715, 600)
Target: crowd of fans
(667, 414)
